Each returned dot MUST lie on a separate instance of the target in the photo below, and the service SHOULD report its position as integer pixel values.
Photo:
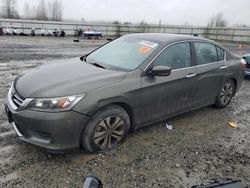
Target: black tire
(106, 130)
(225, 95)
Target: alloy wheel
(109, 132)
(226, 93)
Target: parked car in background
(43, 31)
(1, 31)
(90, 33)
(11, 31)
(33, 31)
(8, 31)
(62, 33)
(78, 33)
(138, 79)
(15, 31)
(56, 32)
(246, 59)
(48, 32)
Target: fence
(219, 34)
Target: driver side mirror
(159, 70)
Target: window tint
(220, 54)
(206, 53)
(176, 56)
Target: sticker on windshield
(144, 50)
(148, 43)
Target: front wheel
(106, 130)
(225, 95)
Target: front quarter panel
(125, 92)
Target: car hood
(67, 77)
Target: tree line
(53, 10)
(44, 10)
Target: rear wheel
(225, 95)
(106, 130)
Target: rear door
(211, 72)
(162, 96)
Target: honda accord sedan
(94, 101)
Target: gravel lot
(200, 148)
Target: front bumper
(52, 131)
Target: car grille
(16, 100)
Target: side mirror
(159, 71)
(92, 182)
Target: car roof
(165, 37)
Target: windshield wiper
(98, 65)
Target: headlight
(54, 104)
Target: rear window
(220, 54)
(205, 52)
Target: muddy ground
(200, 148)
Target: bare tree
(143, 26)
(45, 10)
(42, 11)
(33, 12)
(83, 20)
(116, 22)
(55, 9)
(127, 23)
(217, 20)
(27, 14)
(8, 9)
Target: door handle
(190, 75)
(223, 67)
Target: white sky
(193, 12)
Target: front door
(163, 96)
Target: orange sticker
(144, 49)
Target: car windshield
(122, 54)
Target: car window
(176, 56)
(205, 53)
(220, 54)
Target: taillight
(243, 63)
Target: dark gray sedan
(95, 101)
